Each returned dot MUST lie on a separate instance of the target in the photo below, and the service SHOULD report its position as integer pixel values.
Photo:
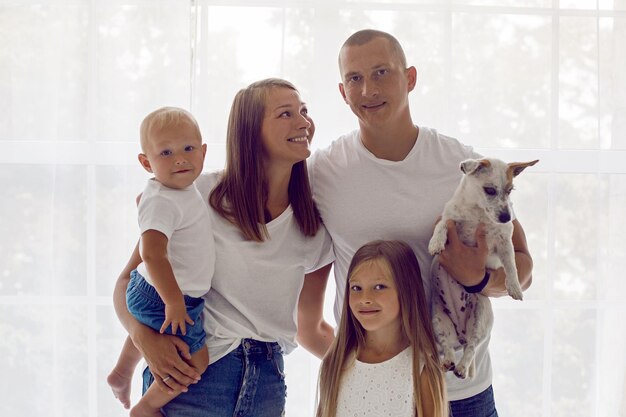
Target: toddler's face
(175, 154)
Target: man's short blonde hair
(163, 117)
(367, 35)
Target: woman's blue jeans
(480, 405)
(248, 382)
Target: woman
(268, 234)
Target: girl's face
(373, 297)
(286, 130)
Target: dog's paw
(460, 372)
(447, 362)
(515, 291)
(448, 365)
(436, 245)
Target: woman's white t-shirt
(255, 288)
(378, 389)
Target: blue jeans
(480, 405)
(248, 382)
(146, 305)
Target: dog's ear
(473, 166)
(516, 168)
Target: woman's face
(287, 129)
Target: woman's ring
(166, 378)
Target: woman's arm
(161, 352)
(314, 334)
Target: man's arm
(523, 263)
(467, 264)
(314, 333)
(161, 352)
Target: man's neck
(392, 144)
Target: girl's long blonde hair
(241, 194)
(416, 324)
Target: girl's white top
(378, 389)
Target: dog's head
(488, 182)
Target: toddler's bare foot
(143, 410)
(120, 385)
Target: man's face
(374, 83)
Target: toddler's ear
(145, 163)
(203, 149)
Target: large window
(519, 79)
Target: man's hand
(465, 263)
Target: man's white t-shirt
(181, 215)
(256, 285)
(363, 198)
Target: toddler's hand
(176, 315)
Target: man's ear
(145, 163)
(411, 75)
(343, 92)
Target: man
(390, 179)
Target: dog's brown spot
(462, 308)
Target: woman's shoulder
(207, 181)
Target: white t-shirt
(362, 198)
(378, 389)
(256, 285)
(181, 215)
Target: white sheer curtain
(519, 79)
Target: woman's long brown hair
(241, 193)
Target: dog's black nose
(504, 217)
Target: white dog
(462, 318)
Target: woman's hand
(167, 356)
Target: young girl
(384, 359)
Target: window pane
(44, 72)
(143, 59)
(517, 363)
(578, 4)
(613, 5)
(503, 3)
(573, 362)
(578, 83)
(580, 213)
(490, 102)
(44, 360)
(612, 83)
(43, 251)
(117, 231)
